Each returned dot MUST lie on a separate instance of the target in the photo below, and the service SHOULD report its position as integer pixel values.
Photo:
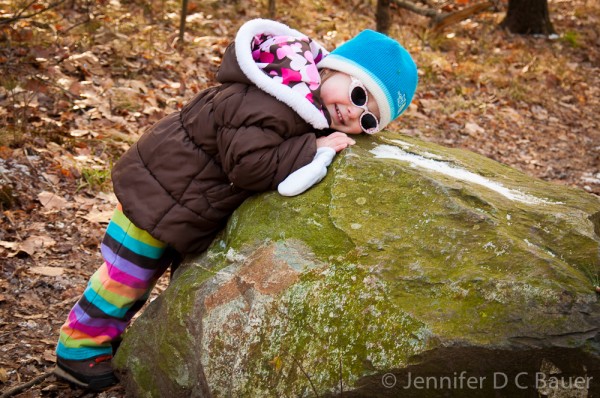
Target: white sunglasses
(359, 97)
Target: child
(267, 120)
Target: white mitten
(307, 176)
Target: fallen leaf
(79, 133)
(36, 243)
(52, 201)
(50, 342)
(46, 271)
(35, 316)
(49, 355)
(539, 113)
(3, 375)
(50, 387)
(139, 85)
(99, 216)
(277, 363)
(9, 245)
(107, 197)
(53, 178)
(473, 129)
(429, 104)
(512, 114)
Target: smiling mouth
(339, 115)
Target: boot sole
(99, 384)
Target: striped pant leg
(133, 262)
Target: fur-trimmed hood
(282, 62)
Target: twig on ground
(25, 386)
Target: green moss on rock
(332, 327)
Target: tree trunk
(383, 16)
(528, 17)
(182, 19)
(272, 9)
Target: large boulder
(410, 270)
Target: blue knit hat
(383, 66)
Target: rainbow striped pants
(133, 262)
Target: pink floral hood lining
(283, 62)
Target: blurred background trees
(522, 16)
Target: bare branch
(441, 20)
(426, 12)
(445, 20)
(19, 15)
(22, 10)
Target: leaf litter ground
(79, 84)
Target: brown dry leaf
(31, 317)
(46, 271)
(512, 114)
(139, 85)
(50, 342)
(52, 178)
(9, 245)
(3, 375)
(429, 105)
(35, 243)
(99, 216)
(49, 355)
(107, 197)
(52, 201)
(87, 62)
(474, 129)
(84, 202)
(79, 132)
(539, 112)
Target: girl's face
(345, 116)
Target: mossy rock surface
(408, 260)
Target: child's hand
(337, 141)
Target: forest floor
(80, 83)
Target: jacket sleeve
(261, 140)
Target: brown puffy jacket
(191, 170)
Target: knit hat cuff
(371, 82)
